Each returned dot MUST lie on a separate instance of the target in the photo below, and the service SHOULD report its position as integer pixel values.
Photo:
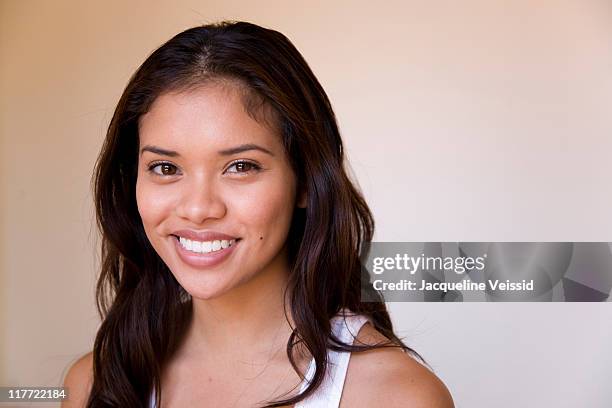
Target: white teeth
(206, 246)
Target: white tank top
(330, 391)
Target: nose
(199, 201)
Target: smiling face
(206, 168)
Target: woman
(231, 235)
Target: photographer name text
(407, 285)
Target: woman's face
(215, 190)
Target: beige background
(463, 120)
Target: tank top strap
(345, 326)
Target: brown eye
(243, 167)
(165, 169)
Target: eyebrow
(225, 152)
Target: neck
(249, 321)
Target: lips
(204, 259)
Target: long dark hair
(144, 310)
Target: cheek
(152, 206)
(268, 208)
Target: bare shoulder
(78, 382)
(391, 378)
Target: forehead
(212, 116)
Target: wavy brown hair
(144, 310)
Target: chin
(210, 285)
(202, 287)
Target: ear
(301, 199)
